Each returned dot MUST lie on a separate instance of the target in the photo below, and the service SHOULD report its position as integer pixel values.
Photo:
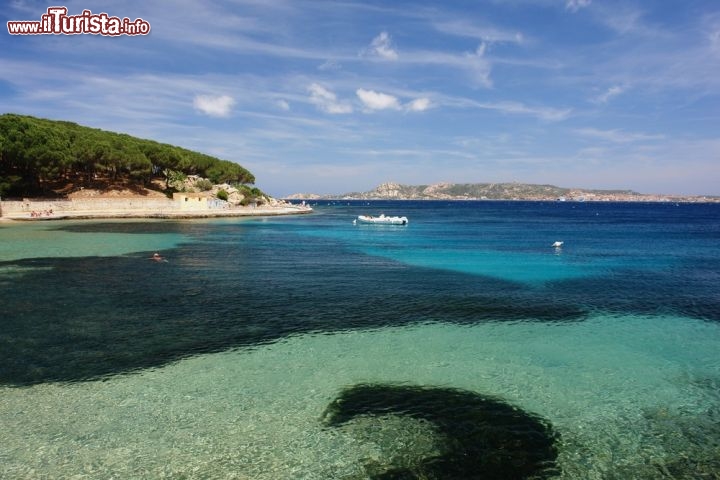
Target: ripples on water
(239, 284)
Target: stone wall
(87, 205)
(28, 209)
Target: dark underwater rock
(480, 437)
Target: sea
(462, 345)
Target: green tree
(35, 152)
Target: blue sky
(338, 96)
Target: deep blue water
(70, 317)
(233, 283)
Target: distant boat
(381, 220)
(558, 244)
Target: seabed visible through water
(251, 354)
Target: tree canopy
(37, 153)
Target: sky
(338, 96)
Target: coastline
(609, 199)
(502, 191)
(29, 211)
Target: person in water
(156, 256)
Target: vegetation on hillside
(43, 157)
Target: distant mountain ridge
(493, 191)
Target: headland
(53, 170)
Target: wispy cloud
(711, 28)
(381, 46)
(611, 92)
(327, 101)
(618, 136)
(714, 38)
(627, 19)
(507, 107)
(479, 66)
(575, 5)
(544, 113)
(519, 108)
(329, 65)
(485, 33)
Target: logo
(57, 22)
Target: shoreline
(704, 200)
(100, 213)
(648, 199)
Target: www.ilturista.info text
(57, 22)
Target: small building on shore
(192, 200)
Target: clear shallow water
(221, 363)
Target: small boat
(558, 244)
(381, 220)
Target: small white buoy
(558, 244)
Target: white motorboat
(381, 220)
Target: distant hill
(493, 191)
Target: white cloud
(618, 136)
(611, 92)
(485, 33)
(330, 65)
(374, 101)
(714, 38)
(710, 25)
(627, 19)
(418, 105)
(283, 105)
(327, 101)
(477, 63)
(544, 113)
(504, 106)
(381, 46)
(377, 101)
(214, 106)
(575, 5)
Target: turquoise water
(224, 361)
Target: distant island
(499, 191)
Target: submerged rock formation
(479, 436)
